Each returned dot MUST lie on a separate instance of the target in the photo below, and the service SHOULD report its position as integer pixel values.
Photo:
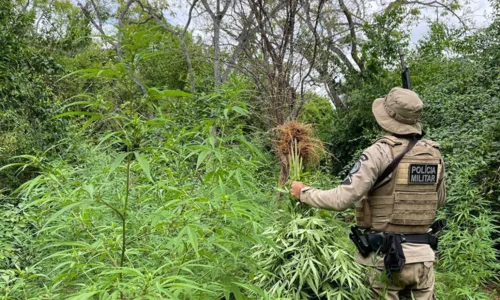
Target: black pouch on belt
(394, 259)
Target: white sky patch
(179, 16)
(476, 14)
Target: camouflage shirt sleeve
(357, 184)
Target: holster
(433, 242)
(360, 240)
(394, 259)
(377, 241)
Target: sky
(478, 11)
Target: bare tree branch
(117, 45)
(353, 38)
(209, 10)
(124, 12)
(332, 91)
(25, 7)
(328, 47)
(331, 46)
(99, 19)
(226, 7)
(242, 41)
(98, 26)
(312, 62)
(434, 3)
(217, 17)
(190, 15)
(160, 20)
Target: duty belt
(389, 244)
(377, 241)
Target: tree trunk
(216, 39)
(334, 96)
(189, 63)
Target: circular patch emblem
(347, 180)
(356, 168)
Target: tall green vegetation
(117, 182)
(27, 96)
(174, 215)
(462, 115)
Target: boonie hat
(399, 112)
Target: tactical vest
(407, 203)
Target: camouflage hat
(399, 112)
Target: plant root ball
(309, 148)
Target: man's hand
(296, 188)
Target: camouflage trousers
(415, 281)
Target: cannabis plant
(307, 255)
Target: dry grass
(310, 148)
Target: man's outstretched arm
(357, 184)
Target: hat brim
(391, 125)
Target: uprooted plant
(296, 147)
(308, 255)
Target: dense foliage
(27, 95)
(118, 181)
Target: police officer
(400, 204)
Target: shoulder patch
(354, 169)
(347, 180)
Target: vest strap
(394, 164)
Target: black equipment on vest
(360, 241)
(405, 72)
(438, 225)
(394, 259)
